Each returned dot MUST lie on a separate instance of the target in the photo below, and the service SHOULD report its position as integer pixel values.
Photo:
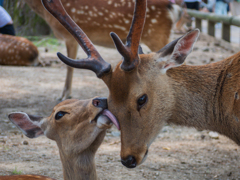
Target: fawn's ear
(28, 124)
(175, 53)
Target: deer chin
(105, 120)
(144, 158)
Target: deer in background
(78, 127)
(17, 51)
(181, 25)
(99, 17)
(148, 90)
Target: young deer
(99, 17)
(17, 51)
(78, 127)
(147, 90)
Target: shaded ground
(177, 153)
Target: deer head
(140, 92)
(74, 124)
(77, 126)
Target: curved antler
(130, 50)
(94, 61)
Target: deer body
(147, 90)
(17, 51)
(207, 97)
(99, 18)
(78, 127)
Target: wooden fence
(212, 19)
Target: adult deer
(98, 18)
(17, 51)
(78, 127)
(147, 90)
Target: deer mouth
(106, 118)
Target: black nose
(100, 102)
(130, 162)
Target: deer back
(99, 18)
(17, 51)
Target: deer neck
(200, 97)
(80, 167)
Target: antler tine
(94, 61)
(130, 50)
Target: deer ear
(28, 124)
(176, 52)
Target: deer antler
(130, 50)
(94, 61)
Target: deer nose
(100, 102)
(130, 162)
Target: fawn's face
(74, 124)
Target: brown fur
(78, 135)
(25, 177)
(17, 51)
(181, 26)
(204, 97)
(99, 18)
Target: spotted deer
(99, 17)
(78, 127)
(17, 51)
(148, 90)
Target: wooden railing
(212, 19)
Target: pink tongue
(111, 117)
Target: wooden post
(226, 32)
(198, 23)
(211, 28)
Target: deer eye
(59, 115)
(141, 101)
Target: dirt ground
(177, 153)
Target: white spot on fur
(80, 12)
(94, 8)
(126, 21)
(73, 10)
(119, 27)
(68, 4)
(153, 21)
(153, 8)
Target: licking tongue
(111, 117)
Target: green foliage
(26, 21)
(16, 172)
(49, 42)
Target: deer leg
(72, 47)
